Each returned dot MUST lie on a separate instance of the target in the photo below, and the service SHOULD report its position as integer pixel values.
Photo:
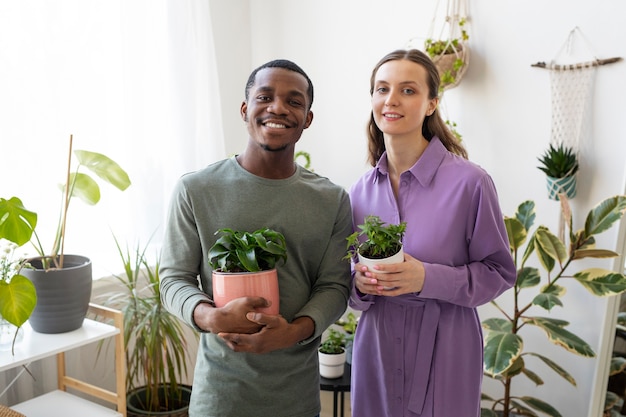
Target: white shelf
(37, 346)
(61, 404)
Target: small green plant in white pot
(332, 355)
(377, 243)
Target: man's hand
(231, 317)
(276, 333)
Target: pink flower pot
(230, 285)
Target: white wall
(502, 108)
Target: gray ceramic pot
(62, 294)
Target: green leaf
(104, 167)
(601, 282)
(547, 301)
(516, 233)
(594, 253)
(549, 296)
(556, 368)
(532, 376)
(17, 299)
(551, 245)
(521, 408)
(497, 324)
(541, 405)
(545, 258)
(501, 350)
(528, 277)
(603, 215)
(559, 336)
(16, 222)
(526, 214)
(618, 365)
(85, 188)
(485, 412)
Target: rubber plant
(505, 355)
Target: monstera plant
(506, 355)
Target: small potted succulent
(332, 354)
(506, 356)
(244, 264)
(560, 164)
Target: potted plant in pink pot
(244, 264)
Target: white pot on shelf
(332, 364)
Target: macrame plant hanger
(571, 93)
(452, 57)
(449, 51)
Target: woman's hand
(391, 279)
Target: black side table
(338, 386)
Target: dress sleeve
(490, 269)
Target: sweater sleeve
(181, 256)
(331, 288)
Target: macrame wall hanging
(571, 87)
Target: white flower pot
(397, 258)
(332, 365)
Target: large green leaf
(601, 282)
(17, 299)
(603, 215)
(16, 222)
(104, 167)
(559, 336)
(556, 368)
(501, 350)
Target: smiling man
(242, 371)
